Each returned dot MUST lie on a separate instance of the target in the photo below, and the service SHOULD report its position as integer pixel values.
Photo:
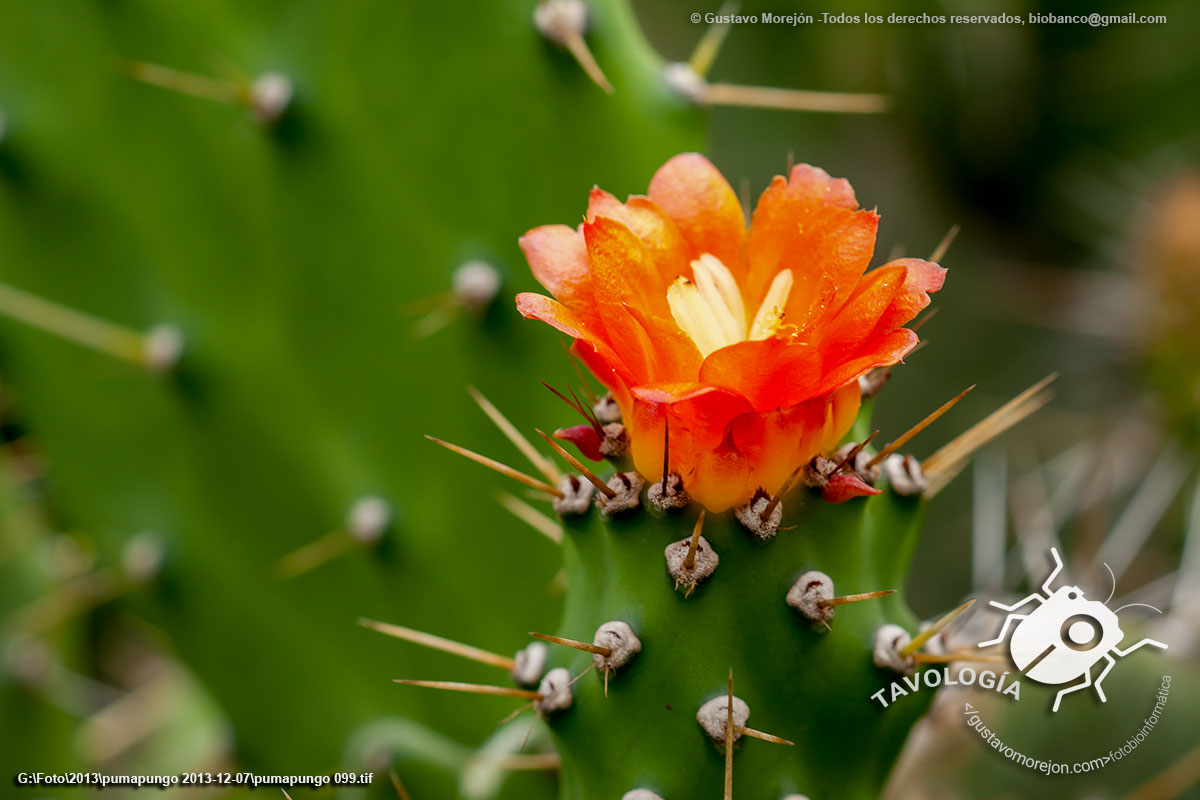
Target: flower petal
(704, 411)
(669, 392)
(770, 373)
(817, 186)
(878, 351)
(676, 357)
(713, 470)
(624, 276)
(590, 354)
(838, 250)
(844, 405)
(777, 442)
(749, 414)
(710, 405)
(532, 305)
(660, 235)
(809, 224)
(558, 258)
(698, 198)
(535, 306)
(840, 337)
(921, 278)
(721, 477)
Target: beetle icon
(1065, 636)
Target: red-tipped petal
(701, 202)
(585, 439)
(921, 278)
(846, 486)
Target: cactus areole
(734, 355)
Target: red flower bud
(846, 486)
(584, 437)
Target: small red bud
(846, 486)
(584, 437)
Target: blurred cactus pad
(295, 258)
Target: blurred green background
(298, 260)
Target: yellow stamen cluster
(711, 310)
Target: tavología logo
(1065, 636)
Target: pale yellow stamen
(720, 292)
(692, 314)
(712, 312)
(770, 313)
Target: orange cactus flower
(746, 343)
